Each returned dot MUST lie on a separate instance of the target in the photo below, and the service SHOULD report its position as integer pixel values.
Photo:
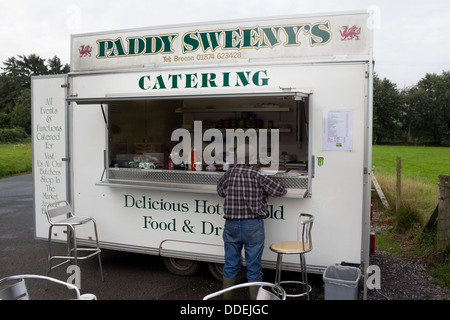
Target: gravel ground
(403, 278)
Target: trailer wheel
(181, 267)
(216, 270)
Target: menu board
(337, 130)
(49, 144)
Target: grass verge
(15, 159)
(402, 232)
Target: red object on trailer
(372, 243)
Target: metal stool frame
(263, 294)
(18, 291)
(53, 210)
(300, 247)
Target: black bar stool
(300, 247)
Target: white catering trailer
(106, 136)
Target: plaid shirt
(245, 191)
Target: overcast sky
(412, 37)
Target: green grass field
(421, 167)
(15, 159)
(425, 163)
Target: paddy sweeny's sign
(344, 36)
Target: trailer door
(50, 147)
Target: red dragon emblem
(85, 51)
(350, 33)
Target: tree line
(419, 114)
(15, 92)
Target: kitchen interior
(139, 132)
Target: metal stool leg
(98, 254)
(49, 254)
(306, 287)
(69, 240)
(50, 257)
(278, 269)
(75, 248)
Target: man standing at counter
(245, 191)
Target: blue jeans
(249, 234)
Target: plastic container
(341, 282)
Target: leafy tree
(4, 120)
(21, 115)
(25, 67)
(55, 66)
(10, 89)
(17, 77)
(15, 85)
(387, 111)
(428, 109)
(414, 100)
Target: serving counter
(190, 181)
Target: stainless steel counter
(189, 181)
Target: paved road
(128, 276)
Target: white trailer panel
(316, 72)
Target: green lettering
(140, 202)
(226, 79)
(142, 82)
(249, 38)
(135, 46)
(174, 78)
(147, 220)
(103, 47)
(243, 77)
(153, 45)
(258, 81)
(232, 39)
(191, 42)
(209, 78)
(199, 206)
(159, 83)
(168, 42)
(210, 40)
(154, 205)
(270, 34)
(127, 205)
(118, 47)
(292, 35)
(320, 33)
(191, 80)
